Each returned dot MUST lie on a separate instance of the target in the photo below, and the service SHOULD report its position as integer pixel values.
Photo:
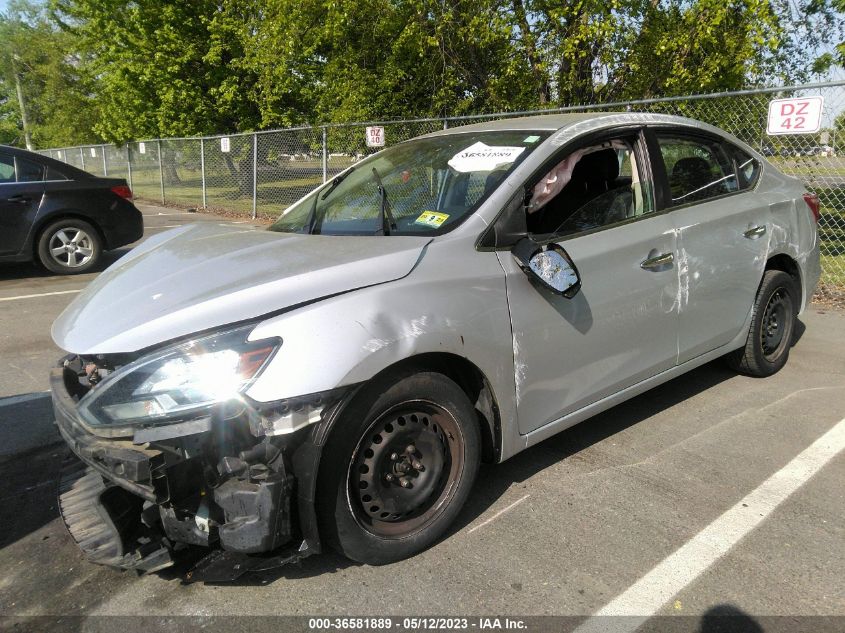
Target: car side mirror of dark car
(548, 265)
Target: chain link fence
(265, 172)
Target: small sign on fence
(795, 116)
(375, 136)
(94, 152)
(142, 148)
(225, 145)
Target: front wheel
(69, 247)
(772, 325)
(398, 468)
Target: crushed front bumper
(137, 506)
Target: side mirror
(549, 265)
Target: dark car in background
(61, 216)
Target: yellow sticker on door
(431, 218)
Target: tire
(772, 326)
(397, 468)
(69, 247)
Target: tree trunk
(22, 105)
(541, 80)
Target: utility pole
(21, 104)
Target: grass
(224, 193)
(804, 166)
(832, 237)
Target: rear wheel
(772, 325)
(398, 468)
(69, 246)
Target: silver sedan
(450, 300)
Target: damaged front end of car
(175, 455)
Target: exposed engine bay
(147, 495)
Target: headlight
(180, 382)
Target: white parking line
(5, 402)
(646, 596)
(41, 294)
(498, 514)
(165, 226)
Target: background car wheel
(69, 247)
(397, 468)
(772, 327)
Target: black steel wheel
(774, 323)
(398, 468)
(772, 326)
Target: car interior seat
(594, 175)
(494, 179)
(690, 176)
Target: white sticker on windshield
(482, 157)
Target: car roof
(545, 122)
(560, 121)
(71, 172)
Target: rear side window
(52, 174)
(7, 169)
(697, 168)
(747, 167)
(29, 171)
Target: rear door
(21, 190)
(723, 237)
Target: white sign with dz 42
(801, 115)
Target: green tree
(166, 68)
(45, 93)
(163, 68)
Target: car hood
(207, 275)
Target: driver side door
(620, 329)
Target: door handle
(754, 233)
(658, 261)
(18, 199)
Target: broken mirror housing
(180, 382)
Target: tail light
(123, 191)
(812, 201)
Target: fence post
(128, 165)
(445, 123)
(82, 158)
(325, 154)
(202, 171)
(160, 170)
(254, 175)
(105, 163)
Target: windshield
(421, 187)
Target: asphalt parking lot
(723, 476)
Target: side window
(592, 187)
(697, 168)
(52, 174)
(29, 171)
(747, 167)
(7, 169)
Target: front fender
(350, 338)
(455, 306)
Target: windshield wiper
(387, 222)
(335, 182)
(312, 222)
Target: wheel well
(786, 264)
(473, 383)
(39, 229)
